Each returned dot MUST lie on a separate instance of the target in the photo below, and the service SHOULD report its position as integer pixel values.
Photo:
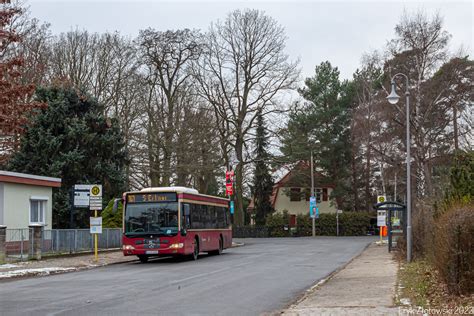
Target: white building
(292, 190)
(26, 199)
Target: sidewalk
(366, 286)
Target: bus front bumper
(173, 250)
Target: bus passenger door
(185, 214)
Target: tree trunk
(153, 161)
(239, 207)
(355, 182)
(368, 196)
(428, 179)
(455, 127)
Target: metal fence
(250, 232)
(19, 243)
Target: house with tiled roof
(292, 190)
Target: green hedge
(277, 222)
(350, 224)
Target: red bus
(174, 221)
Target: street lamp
(393, 99)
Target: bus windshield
(159, 218)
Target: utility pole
(393, 99)
(312, 195)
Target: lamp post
(313, 220)
(393, 99)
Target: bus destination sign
(151, 197)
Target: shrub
(277, 222)
(111, 219)
(454, 248)
(350, 224)
(422, 233)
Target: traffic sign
(381, 198)
(96, 190)
(96, 225)
(81, 195)
(95, 198)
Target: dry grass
(421, 283)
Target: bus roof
(171, 189)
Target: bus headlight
(177, 246)
(128, 247)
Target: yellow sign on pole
(381, 198)
(95, 204)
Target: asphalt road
(263, 276)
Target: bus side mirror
(183, 232)
(116, 203)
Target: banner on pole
(312, 206)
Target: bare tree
(16, 106)
(243, 71)
(364, 125)
(419, 49)
(168, 56)
(439, 90)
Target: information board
(381, 218)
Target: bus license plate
(151, 252)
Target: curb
(320, 282)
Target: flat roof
(31, 179)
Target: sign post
(337, 221)
(95, 204)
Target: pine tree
(462, 178)
(263, 183)
(72, 140)
(322, 124)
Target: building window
(295, 194)
(325, 194)
(37, 211)
(318, 193)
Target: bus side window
(186, 216)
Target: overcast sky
(338, 31)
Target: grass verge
(421, 284)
